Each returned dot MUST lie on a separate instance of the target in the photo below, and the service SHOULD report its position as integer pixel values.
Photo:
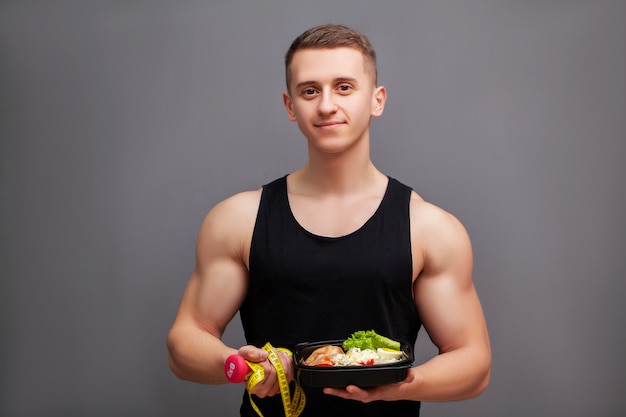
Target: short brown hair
(332, 36)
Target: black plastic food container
(342, 376)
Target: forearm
(455, 375)
(196, 355)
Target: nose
(326, 104)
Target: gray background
(123, 122)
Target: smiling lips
(328, 123)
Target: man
(332, 248)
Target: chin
(332, 146)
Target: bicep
(213, 296)
(451, 313)
(444, 291)
(218, 283)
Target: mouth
(328, 124)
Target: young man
(332, 248)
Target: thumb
(253, 353)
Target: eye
(309, 92)
(344, 88)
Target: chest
(333, 217)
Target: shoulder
(238, 207)
(437, 236)
(427, 216)
(236, 210)
(230, 223)
(246, 202)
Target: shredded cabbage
(356, 356)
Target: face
(332, 97)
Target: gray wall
(122, 123)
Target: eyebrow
(335, 81)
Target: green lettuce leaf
(369, 339)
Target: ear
(288, 102)
(378, 101)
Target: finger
(359, 393)
(287, 363)
(351, 392)
(252, 353)
(338, 392)
(410, 377)
(269, 385)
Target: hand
(269, 386)
(366, 395)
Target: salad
(362, 348)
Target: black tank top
(306, 288)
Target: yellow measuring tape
(293, 406)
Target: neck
(337, 173)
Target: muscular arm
(214, 293)
(450, 310)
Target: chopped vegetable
(369, 339)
